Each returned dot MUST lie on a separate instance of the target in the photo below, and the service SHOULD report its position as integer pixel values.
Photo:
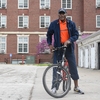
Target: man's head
(62, 14)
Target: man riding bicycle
(65, 33)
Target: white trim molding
(38, 33)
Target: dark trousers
(71, 61)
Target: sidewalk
(89, 82)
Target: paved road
(24, 82)
(16, 81)
(89, 82)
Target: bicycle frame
(63, 55)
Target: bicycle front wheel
(56, 77)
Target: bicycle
(62, 79)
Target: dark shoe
(77, 90)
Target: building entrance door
(99, 55)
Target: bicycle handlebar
(58, 48)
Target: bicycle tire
(47, 81)
(65, 82)
(65, 85)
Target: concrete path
(16, 81)
(24, 82)
(89, 82)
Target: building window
(69, 17)
(43, 46)
(42, 37)
(3, 21)
(44, 4)
(23, 21)
(67, 4)
(92, 45)
(98, 21)
(23, 44)
(44, 21)
(97, 3)
(2, 44)
(23, 4)
(3, 3)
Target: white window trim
(5, 43)
(67, 8)
(97, 3)
(23, 25)
(96, 22)
(45, 5)
(23, 7)
(40, 21)
(69, 16)
(5, 4)
(18, 44)
(40, 36)
(5, 21)
(47, 50)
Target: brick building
(23, 23)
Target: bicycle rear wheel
(51, 80)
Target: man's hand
(67, 42)
(51, 48)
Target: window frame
(70, 17)
(3, 36)
(5, 3)
(45, 5)
(23, 6)
(97, 2)
(23, 16)
(47, 49)
(66, 5)
(23, 36)
(44, 21)
(42, 37)
(3, 23)
(97, 22)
